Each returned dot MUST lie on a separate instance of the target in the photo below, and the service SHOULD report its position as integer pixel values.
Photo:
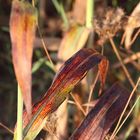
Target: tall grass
(19, 115)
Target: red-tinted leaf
(68, 76)
(99, 120)
(103, 69)
(22, 31)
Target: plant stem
(33, 3)
(44, 46)
(136, 102)
(89, 25)
(124, 110)
(91, 91)
(121, 61)
(64, 17)
(19, 114)
(60, 9)
(78, 104)
(6, 128)
(89, 13)
(89, 21)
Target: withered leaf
(73, 41)
(69, 75)
(98, 122)
(133, 22)
(103, 69)
(22, 30)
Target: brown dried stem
(44, 46)
(137, 100)
(135, 36)
(129, 59)
(6, 128)
(117, 126)
(121, 62)
(91, 91)
(78, 104)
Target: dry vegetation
(77, 67)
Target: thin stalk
(91, 91)
(129, 131)
(42, 40)
(33, 3)
(19, 114)
(60, 9)
(78, 104)
(135, 37)
(64, 17)
(121, 61)
(136, 102)
(6, 128)
(45, 48)
(122, 114)
(89, 24)
(137, 108)
(89, 13)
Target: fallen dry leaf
(97, 123)
(22, 30)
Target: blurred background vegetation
(53, 27)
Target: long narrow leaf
(73, 70)
(22, 30)
(100, 119)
